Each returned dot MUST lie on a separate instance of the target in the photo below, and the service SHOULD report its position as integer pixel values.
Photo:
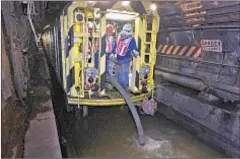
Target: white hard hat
(127, 27)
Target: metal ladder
(148, 44)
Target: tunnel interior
(196, 84)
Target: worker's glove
(112, 57)
(135, 53)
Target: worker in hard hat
(109, 44)
(108, 48)
(125, 49)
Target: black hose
(132, 109)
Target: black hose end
(142, 144)
(142, 140)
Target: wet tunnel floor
(111, 132)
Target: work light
(125, 3)
(153, 7)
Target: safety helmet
(126, 31)
(109, 29)
(127, 27)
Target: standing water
(111, 132)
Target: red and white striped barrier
(190, 51)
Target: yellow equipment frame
(75, 61)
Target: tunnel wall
(7, 84)
(8, 92)
(16, 35)
(7, 95)
(185, 28)
(185, 31)
(216, 126)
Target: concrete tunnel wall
(8, 94)
(26, 97)
(13, 75)
(16, 51)
(187, 24)
(217, 124)
(16, 35)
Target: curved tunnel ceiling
(178, 13)
(137, 6)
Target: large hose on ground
(132, 109)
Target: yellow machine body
(68, 42)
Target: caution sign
(211, 45)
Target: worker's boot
(109, 86)
(128, 90)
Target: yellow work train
(74, 43)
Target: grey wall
(17, 37)
(221, 21)
(7, 84)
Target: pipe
(29, 10)
(132, 109)
(182, 80)
(227, 88)
(179, 73)
(192, 81)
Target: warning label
(211, 45)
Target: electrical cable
(29, 12)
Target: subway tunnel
(183, 83)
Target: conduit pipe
(29, 12)
(195, 82)
(186, 81)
